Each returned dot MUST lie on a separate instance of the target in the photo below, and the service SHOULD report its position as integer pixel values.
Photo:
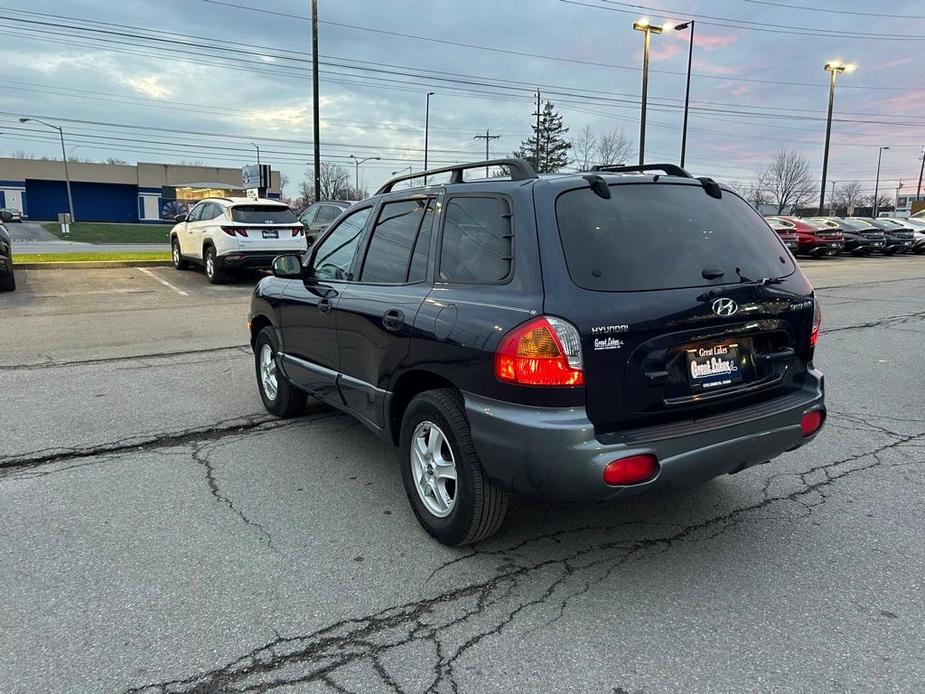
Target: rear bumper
(554, 453)
(820, 247)
(252, 259)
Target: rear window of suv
(263, 214)
(662, 236)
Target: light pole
(67, 176)
(426, 126)
(877, 184)
(316, 122)
(687, 89)
(357, 163)
(918, 190)
(647, 29)
(832, 200)
(833, 67)
(257, 147)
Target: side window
(477, 243)
(334, 255)
(327, 214)
(392, 241)
(195, 213)
(418, 270)
(309, 215)
(215, 211)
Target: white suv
(225, 234)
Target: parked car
(860, 239)
(228, 234)
(898, 239)
(585, 336)
(814, 240)
(787, 233)
(7, 279)
(918, 233)
(319, 215)
(9, 214)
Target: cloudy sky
(200, 80)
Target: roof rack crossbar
(670, 169)
(520, 171)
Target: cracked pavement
(162, 534)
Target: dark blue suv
(576, 336)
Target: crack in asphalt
(440, 620)
(887, 321)
(51, 364)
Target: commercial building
(114, 192)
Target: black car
(318, 216)
(7, 279)
(860, 238)
(898, 240)
(578, 336)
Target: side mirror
(180, 218)
(287, 266)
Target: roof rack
(670, 169)
(520, 171)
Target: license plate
(270, 234)
(713, 367)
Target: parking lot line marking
(163, 281)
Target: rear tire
(456, 510)
(213, 266)
(279, 396)
(7, 282)
(179, 262)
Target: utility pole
(832, 201)
(918, 190)
(536, 161)
(487, 136)
(876, 204)
(67, 175)
(833, 68)
(316, 122)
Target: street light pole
(833, 67)
(357, 163)
(918, 190)
(687, 90)
(426, 126)
(316, 122)
(647, 29)
(257, 147)
(67, 176)
(877, 184)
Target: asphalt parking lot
(161, 533)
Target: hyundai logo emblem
(725, 307)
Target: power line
(807, 8)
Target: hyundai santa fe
(580, 336)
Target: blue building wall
(93, 202)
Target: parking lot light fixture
(67, 176)
(687, 89)
(876, 205)
(833, 67)
(357, 163)
(647, 29)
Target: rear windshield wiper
(759, 282)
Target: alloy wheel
(268, 378)
(433, 468)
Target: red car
(786, 232)
(813, 239)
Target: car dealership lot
(161, 532)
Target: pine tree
(553, 147)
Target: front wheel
(279, 396)
(212, 265)
(442, 475)
(179, 262)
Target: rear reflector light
(817, 323)
(632, 470)
(231, 231)
(545, 351)
(812, 422)
(296, 231)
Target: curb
(90, 264)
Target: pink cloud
(665, 51)
(897, 62)
(701, 65)
(712, 43)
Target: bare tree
(787, 181)
(334, 182)
(585, 148)
(750, 191)
(883, 201)
(113, 160)
(849, 195)
(21, 154)
(283, 184)
(614, 148)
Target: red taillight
(545, 351)
(817, 323)
(231, 231)
(632, 470)
(812, 422)
(296, 231)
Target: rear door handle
(325, 305)
(393, 320)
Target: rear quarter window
(477, 242)
(651, 236)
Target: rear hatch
(264, 227)
(687, 305)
